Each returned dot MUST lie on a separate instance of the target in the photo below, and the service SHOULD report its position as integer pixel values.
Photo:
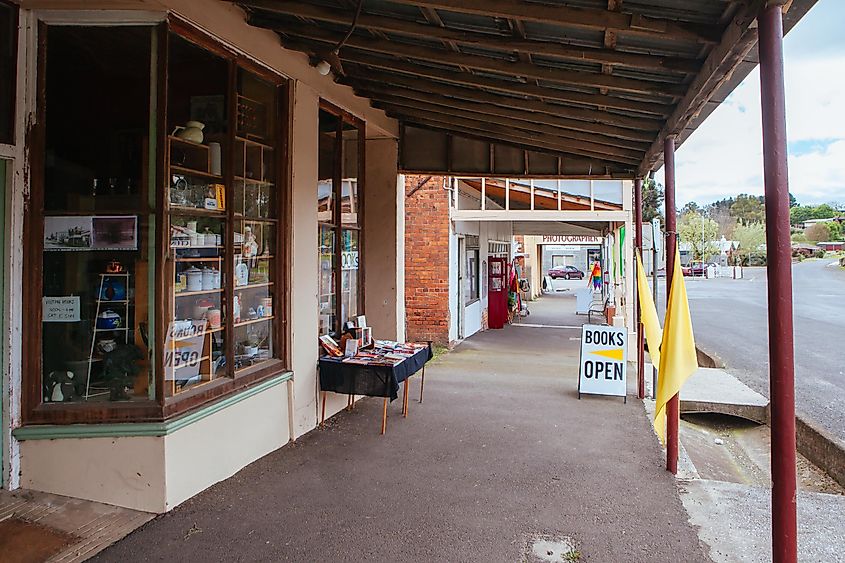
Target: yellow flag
(648, 314)
(677, 353)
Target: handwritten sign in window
(61, 309)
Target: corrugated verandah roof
(597, 84)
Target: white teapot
(192, 131)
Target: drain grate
(551, 548)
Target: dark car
(566, 272)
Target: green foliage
(748, 209)
(750, 237)
(799, 237)
(700, 233)
(691, 207)
(652, 201)
(835, 230)
(792, 201)
(802, 213)
(818, 253)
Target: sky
(724, 157)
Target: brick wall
(426, 259)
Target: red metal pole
(673, 409)
(638, 243)
(779, 274)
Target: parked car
(566, 272)
(696, 268)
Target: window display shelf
(174, 169)
(253, 142)
(253, 286)
(199, 211)
(199, 259)
(249, 219)
(253, 321)
(193, 293)
(208, 331)
(255, 181)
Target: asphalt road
(730, 321)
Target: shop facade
(188, 206)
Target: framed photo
(118, 232)
(67, 233)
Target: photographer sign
(603, 364)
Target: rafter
(603, 123)
(425, 31)
(475, 81)
(495, 132)
(502, 116)
(586, 18)
(489, 64)
(556, 136)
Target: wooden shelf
(193, 293)
(198, 211)
(199, 259)
(253, 321)
(200, 335)
(253, 286)
(252, 142)
(175, 169)
(181, 141)
(242, 217)
(262, 183)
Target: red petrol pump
(497, 292)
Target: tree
(792, 201)
(700, 233)
(835, 230)
(803, 213)
(818, 232)
(750, 237)
(749, 209)
(652, 201)
(691, 207)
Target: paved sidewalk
(501, 452)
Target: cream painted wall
(127, 472)
(218, 446)
(304, 259)
(382, 259)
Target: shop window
(162, 322)
(8, 64)
(339, 215)
(472, 275)
(99, 216)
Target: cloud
(724, 157)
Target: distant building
(831, 246)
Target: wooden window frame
(162, 408)
(337, 226)
(8, 137)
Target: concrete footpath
(500, 457)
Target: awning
(567, 88)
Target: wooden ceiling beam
(494, 132)
(739, 39)
(603, 169)
(426, 31)
(502, 117)
(585, 18)
(591, 121)
(553, 134)
(488, 64)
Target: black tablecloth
(373, 381)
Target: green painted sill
(130, 429)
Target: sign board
(61, 309)
(571, 239)
(349, 260)
(656, 236)
(603, 364)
